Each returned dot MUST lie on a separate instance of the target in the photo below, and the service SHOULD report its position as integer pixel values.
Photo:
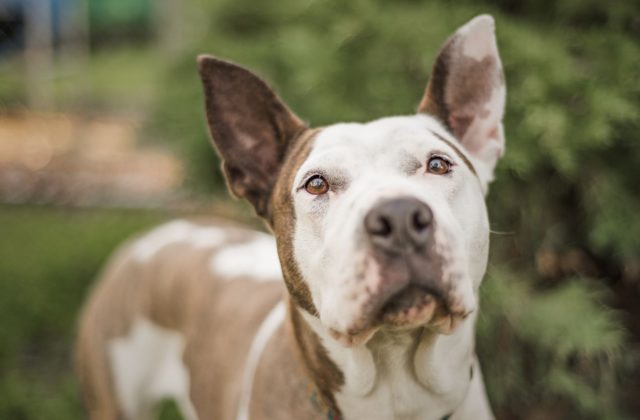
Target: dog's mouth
(416, 305)
(410, 304)
(411, 292)
(413, 306)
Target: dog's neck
(397, 374)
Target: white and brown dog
(382, 235)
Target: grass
(49, 258)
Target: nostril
(379, 225)
(420, 220)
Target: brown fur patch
(326, 376)
(283, 219)
(460, 87)
(433, 102)
(469, 87)
(283, 372)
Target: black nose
(399, 224)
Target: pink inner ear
(493, 134)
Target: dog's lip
(417, 305)
(413, 306)
(410, 304)
(409, 295)
(414, 301)
(354, 337)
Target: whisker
(497, 232)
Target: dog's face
(391, 227)
(383, 224)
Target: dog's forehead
(388, 142)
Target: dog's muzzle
(413, 289)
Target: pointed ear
(467, 91)
(250, 127)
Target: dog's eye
(438, 166)
(316, 185)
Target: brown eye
(438, 166)
(316, 185)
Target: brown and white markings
(382, 235)
(159, 323)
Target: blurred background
(102, 135)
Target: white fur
(476, 404)
(178, 231)
(479, 39)
(256, 259)
(260, 341)
(147, 367)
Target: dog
(382, 239)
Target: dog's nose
(399, 224)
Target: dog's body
(382, 237)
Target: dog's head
(382, 224)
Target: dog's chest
(396, 395)
(393, 400)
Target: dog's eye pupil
(438, 166)
(316, 185)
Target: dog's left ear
(467, 91)
(251, 127)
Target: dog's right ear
(250, 127)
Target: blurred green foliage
(553, 354)
(48, 260)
